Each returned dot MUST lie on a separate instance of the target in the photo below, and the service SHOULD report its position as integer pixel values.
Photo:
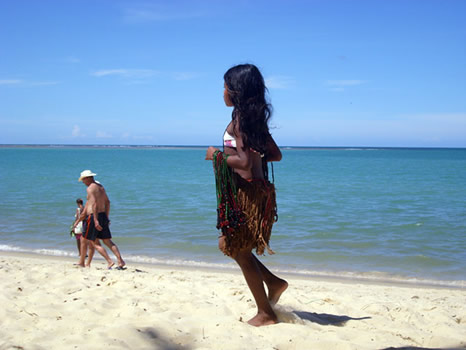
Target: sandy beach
(48, 303)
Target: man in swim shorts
(96, 223)
(90, 230)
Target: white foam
(372, 276)
(8, 248)
(376, 277)
(53, 252)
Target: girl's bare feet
(263, 319)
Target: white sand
(47, 303)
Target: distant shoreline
(205, 146)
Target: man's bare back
(97, 200)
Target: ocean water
(375, 214)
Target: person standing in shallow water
(246, 218)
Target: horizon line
(3, 145)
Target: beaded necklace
(229, 214)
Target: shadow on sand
(160, 342)
(327, 319)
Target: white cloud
(340, 85)
(418, 130)
(72, 59)
(10, 81)
(19, 82)
(337, 89)
(126, 73)
(142, 137)
(76, 132)
(185, 75)
(345, 82)
(43, 83)
(104, 72)
(154, 13)
(279, 82)
(140, 76)
(103, 135)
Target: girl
(247, 207)
(78, 229)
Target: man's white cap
(86, 173)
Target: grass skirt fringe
(257, 201)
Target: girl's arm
(80, 217)
(242, 159)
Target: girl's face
(226, 96)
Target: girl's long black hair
(251, 112)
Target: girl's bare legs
(82, 256)
(78, 244)
(256, 274)
(252, 273)
(275, 285)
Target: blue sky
(339, 73)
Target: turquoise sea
(368, 213)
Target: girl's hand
(210, 153)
